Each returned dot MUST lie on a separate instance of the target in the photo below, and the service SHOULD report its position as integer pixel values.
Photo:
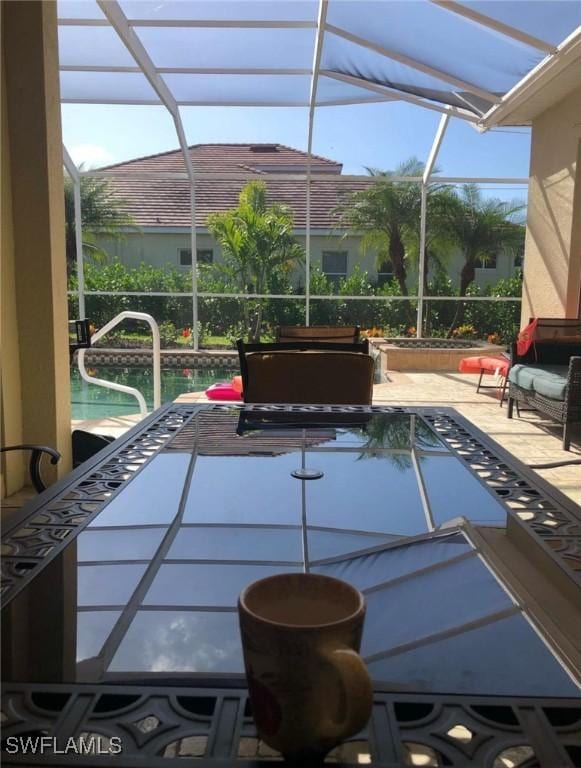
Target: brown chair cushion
(334, 378)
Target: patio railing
(123, 387)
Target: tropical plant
(482, 228)
(258, 247)
(501, 318)
(401, 434)
(441, 203)
(387, 216)
(224, 316)
(384, 214)
(102, 214)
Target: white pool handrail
(122, 387)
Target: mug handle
(357, 692)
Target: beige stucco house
(160, 208)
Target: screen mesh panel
(242, 36)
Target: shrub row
(223, 316)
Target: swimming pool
(91, 402)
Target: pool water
(89, 401)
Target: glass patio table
(120, 584)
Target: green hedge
(222, 316)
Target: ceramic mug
(308, 686)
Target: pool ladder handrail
(122, 387)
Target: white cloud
(91, 155)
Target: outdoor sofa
(547, 377)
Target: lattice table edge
(157, 726)
(554, 525)
(29, 547)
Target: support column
(552, 264)
(12, 464)
(76, 180)
(34, 162)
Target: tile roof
(231, 157)
(166, 202)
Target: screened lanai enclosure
(476, 62)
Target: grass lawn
(212, 342)
(137, 340)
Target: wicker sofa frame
(552, 351)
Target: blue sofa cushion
(547, 380)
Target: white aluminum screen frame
(115, 18)
(489, 27)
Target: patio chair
(497, 365)
(87, 444)
(288, 346)
(34, 464)
(317, 376)
(79, 336)
(347, 334)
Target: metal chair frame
(34, 464)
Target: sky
(359, 136)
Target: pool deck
(531, 438)
(112, 425)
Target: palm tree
(482, 228)
(441, 202)
(400, 432)
(388, 214)
(258, 246)
(385, 214)
(102, 214)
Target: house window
(385, 272)
(205, 256)
(334, 265)
(486, 263)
